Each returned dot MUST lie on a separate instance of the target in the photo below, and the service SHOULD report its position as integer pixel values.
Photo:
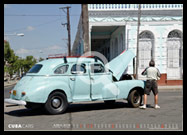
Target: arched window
(174, 55)
(146, 48)
(146, 34)
(175, 34)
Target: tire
(135, 98)
(56, 103)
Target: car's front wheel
(135, 98)
(56, 103)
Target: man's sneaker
(157, 107)
(143, 107)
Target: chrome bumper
(16, 102)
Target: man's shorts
(151, 85)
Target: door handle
(73, 79)
(92, 79)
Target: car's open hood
(120, 63)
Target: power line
(42, 24)
(39, 15)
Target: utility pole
(68, 29)
(85, 25)
(137, 49)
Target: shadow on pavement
(26, 112)
(95, 106)
(72, 108)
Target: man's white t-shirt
(151, 73)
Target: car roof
(50, 64)
(57, 61)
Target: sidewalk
(170, 87)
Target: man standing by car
(152, 74)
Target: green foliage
(17, 65)
(41, 59)
(9, 55)
(13, 63)
(28, 63)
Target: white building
(113, 28)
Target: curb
(178, 87)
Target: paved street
(98, 116)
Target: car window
(35, 69)
(97, 68)
(78, 69)
(62, 69)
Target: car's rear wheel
(135, 98)
(56, 103)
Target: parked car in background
(57, 82)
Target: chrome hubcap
(56, 103)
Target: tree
(28, 63)
(13, 64)
(9, 55)
(18, 64)
(41, 59)
(9, 59)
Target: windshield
(35, 69)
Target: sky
(42, 27)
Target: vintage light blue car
(54, 83)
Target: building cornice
(134, 19)
(134, 13)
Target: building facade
(113, 28)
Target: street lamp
(15, 34)
(20, 34)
